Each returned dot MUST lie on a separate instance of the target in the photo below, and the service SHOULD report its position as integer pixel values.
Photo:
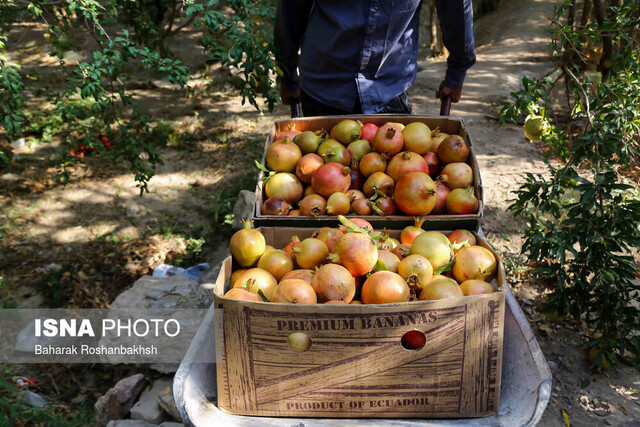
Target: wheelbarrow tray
(525, 390)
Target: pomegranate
(440, 289)
(289, 133)
(268, 248)
(295, 212)
(417, 138)
(453, 149)
(401, 251)
(474, 262)
(309, 141)
(461, 201)
(336, 301)
(257, 279)
(358, 222)
(456, 175)
(355, 194)
(385, 206)
(313, 205)
(311, 253)
(534, 127)
(275, 206)
(284, 185)
(441, 203)
(338, 204)
(283, 156)
(397, 124)
(236, 274)
(433, 162)
(385, 287)
(356, 252)
(295, 241)
(242, 294)
(357, 180)
(388, 243)
(247, 245)
(346, 131)
(358, 149)
(361, 207)
(332, 151)
(435, 247)
(388, 139)
(404, 163)
(305, 275)
(436, 138)
(413, 340)
(378, 181)
(356, 302)
(476, 287)
(416, 270)
(333, 282)
(299, 341)
(461, 236)
(390, 260)
(415, 194)
(368, 132)
(294, 291)
(331, 178)
(372, 163)
(277, 262)
(410, 232)
(329, 236)
(308, 191)
(307, 165)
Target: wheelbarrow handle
(295, 108)
(445, 105)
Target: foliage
(96, 103)
(14, 411)
(584, 215)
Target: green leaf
(263, 296)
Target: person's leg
(312, 107)
(398, 105)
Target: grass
(15, 412)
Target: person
(360, 56)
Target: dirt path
(512, 42)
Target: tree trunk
(571, 14)
(587, 8)
(433, 28)
(607, 42)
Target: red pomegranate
(456, 175)
(313, 205)
(304, 274)
(355, 194)
(331, 178)
(461, 201)
(275, 206)
(459, 236)
(289, 133)
(333, 282)
(307, 165)
(410, 232)
(283, 156)
(415, 194)
(372, 163)
(385, 206)
(441, 203)
(329, 236)
(356, 252)
(294, 291)
(385, 287)
(404, 163)
(433, 162)
(401, 251)
(453, 149)
(361, 207)
(368, 132)
(357, 180)
(378, 181)
(388, 139)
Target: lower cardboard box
(356, 366)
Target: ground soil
(103, 234)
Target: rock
(27, 339)
(117, 401)
(130, 423)
(132, 209)
(147, 408)
(630, 423)
(33, 399)
(171, 424)
(553, 366)
(148, 290)
(244, 207)
(49, 268)
(34, 301)
(208, 279)
(166, 402)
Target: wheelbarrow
(524, 395)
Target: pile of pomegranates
(354, 264)
(373, 170)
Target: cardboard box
(450, 125)
(356, 366)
